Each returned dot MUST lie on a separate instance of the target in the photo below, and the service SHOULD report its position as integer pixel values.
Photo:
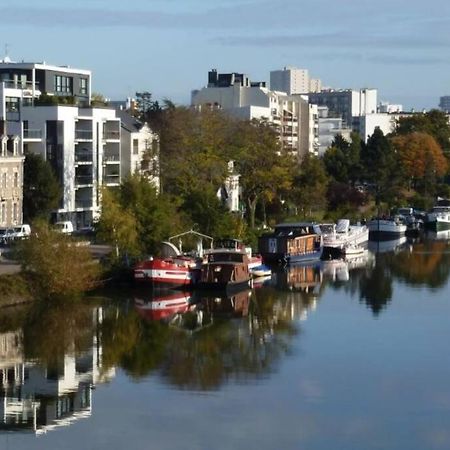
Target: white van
(21, 231)
(65, 227)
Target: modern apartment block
(41, 78)
(236, 95)
(82, 143)
(346, 103)
(293, 81)
(329, 128)
(444, 103)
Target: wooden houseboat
(291, 243)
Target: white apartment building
(238, 97)
(329, 128)
(293, 81)
(347, 103)
(37, 398)
(81, 143)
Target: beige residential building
(11, 179)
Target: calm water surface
(341, 355)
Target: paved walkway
(9, 266)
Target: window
(3, 212)
(135, 146)
(16, 179)
(83, 86)
(15, 210)
(4, 180)
(63, 85)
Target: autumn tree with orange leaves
(420, 156)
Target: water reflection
(48, 368)
(52, 355)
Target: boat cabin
(291, 242)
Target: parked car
(21, 231)
(65, 227)
(6, 234)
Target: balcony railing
(112, 178)
(32, 134)
(19, 84)
(83, 157)
(81, 180)
(83, 134)
(111, 158)
(111, 135)
(83, 203)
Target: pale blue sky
(167, 47)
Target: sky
(166, 47)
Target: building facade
(237, 96)
(81, 143)
(139, 148)
(293, 81)
(346, 103)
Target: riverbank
(14, 290)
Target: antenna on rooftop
(6, 59)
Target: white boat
(439, 218)
(260, 271)
(386, 246)
(353, 250)
(390, 228)
(343, 235)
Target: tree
(434, 123)
(117, 226)
(55, 264)
(342, 159)
(41, 191)
(310, 186)
(420, 156)
(381, 167)
(265, 170)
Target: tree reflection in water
(215, 340)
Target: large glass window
(83, 86)
(63, 84)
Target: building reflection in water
(37, 398)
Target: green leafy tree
(55, 263)
(117, 225)
(265, 170)
(310, 186)
(41, 191)
(381, 167)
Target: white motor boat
(439, 218)
(343, 235)
(391, 228)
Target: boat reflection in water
(339, 269)
(163, 305)
(387, 246)
(37, 398)
(443, 235)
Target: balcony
(83, 180)
(111, 135)
(83, 157)
(113, 178)
(114, 159)
(83, 204)
(83, 135)
(19, 84)
(32, 135)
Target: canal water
(333, 355)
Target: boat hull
(163, 272)
(385, 230)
